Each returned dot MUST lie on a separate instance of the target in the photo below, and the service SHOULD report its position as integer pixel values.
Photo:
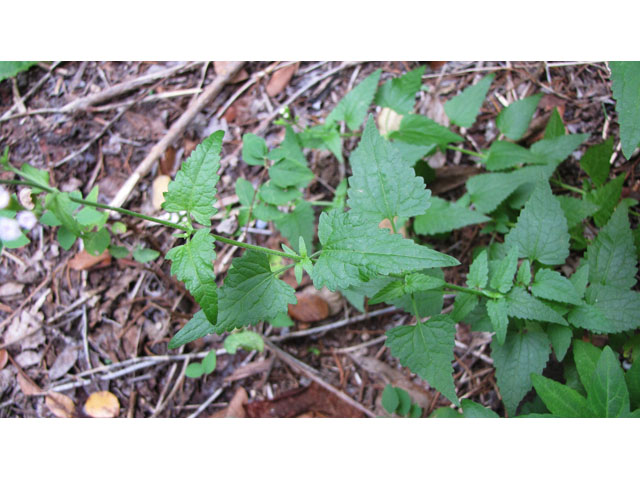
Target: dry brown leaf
(64, 362)
(168, 161)
(102, 405)
(436, 64)
(27, 385)
(84, 260)
(253, 368)
(9, 289)
(236, 406)
(388, 121)
(222, 67)
(4, 358)
(310, 308)
(387, 224)
(159, 188)
(280, 79)
(60, 405)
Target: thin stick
(119, 89)
(86, 146)
(176, 130)
(353, 348)
(334, 325)
(309, 372)
(207, 402)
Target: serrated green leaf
(555, 126)
(289, 173)
(579, 279)
(497, 310)
(266, 212)
(607, 310)
(194, 370)
(554, 150)
(521, 304)
(514, 120)
(488, 190)
(354, 105)
(632, 378)
(541, 232)
(90, 216)
(609, 396)
(195, 328)
(209, 362)
(399, 94)
(427, 349)
(404, 403)
(586, 358)
(561, 400)
(443, 216)
(40, 176)
(471, 409)
(194, 188)
(11, 69)
(501, 278)
(389, 292)
(523, 277)
(244, 191)
(522, 354)
(612, 256)
(505, 155)
(479, 271)
(61, 205)
(551, 285)
(298, 223)
(463, 305)
(421, 130)
(625, 84)
(144, 255)
(560, 337)
(192, 263)
(576, 209)
(445, 412)
(419, 282)
(281, 320)
(595, 161)
(325, 137)
(289, 148)
(606, 197)
(254, 149)
(464, 108)
(117, 251)
(251, 293)
(390, 399)
(382, 186)
(65, 238)
(278, 196)
(428, 303)
(353, 247)
(410, 154)
(97, 242)
(246, 340)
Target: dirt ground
(75, 325)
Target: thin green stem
(321, 203)
(177, 226)
(480, 293)
(468, 152)
(393, 225)
(568, 187)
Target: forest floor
(75, 324)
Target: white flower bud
(4, 197)
(9, 229)
(26, 219)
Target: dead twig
(311, 373)
(176, 129)
(8, 114)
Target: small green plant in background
(207, 366)
(519, 287)
(397, 401)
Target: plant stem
(321, 203)
(567, 187)
(480, 293)
(468, 152)
(393, 225)
(166, 223)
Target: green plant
(515, 288)
(397, 401)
